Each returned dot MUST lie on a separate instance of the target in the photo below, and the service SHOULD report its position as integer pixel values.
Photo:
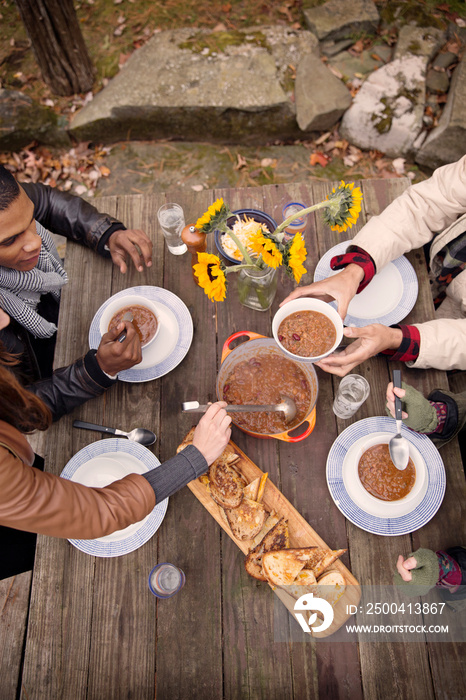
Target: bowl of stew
(255, 372)
(307, 329)
(377, 486)
(144, 313)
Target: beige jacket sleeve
(39, 502)
(443, 344)
(414, 217)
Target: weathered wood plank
(189, 641)
(14, 603)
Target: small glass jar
(257, 288)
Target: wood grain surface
(89, 629)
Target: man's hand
(370, 340)
(404, 567)
(342, 287)
(213, 432)
(134, 244)
(4, 319)
(113, 356)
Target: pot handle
(250, 334)
(311, 421)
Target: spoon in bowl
(128, 316)
(398, 445)
(287, 406)
(142, 435)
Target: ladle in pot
(287, 406)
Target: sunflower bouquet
(270, 249)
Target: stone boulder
(419, 41)
(321, 98)
(22, 121)
(387, 113)
(447, 142)
(196, 85)
(338, 19)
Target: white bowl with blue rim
(307, 304)
(122, 302)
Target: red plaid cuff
(357, 256)
(409, 347)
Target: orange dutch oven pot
(248, 350)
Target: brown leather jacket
(35, 501)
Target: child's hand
(404, 567)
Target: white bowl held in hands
(121, 303)
(308, 304)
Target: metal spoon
(398, 445)
(128, 316)
(286, 406)
(142, 435)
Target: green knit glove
(424, 576)
(422, 416)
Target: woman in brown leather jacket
(32, 501)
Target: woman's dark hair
(9, 188)
(19, 407)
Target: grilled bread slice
(322, 558)
(276, 538)
(250, 491)
(226, 484)
(331, 587)
(272, 519)
(282, 566)
(305, 582)
(247, 519)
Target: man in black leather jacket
(77, 220)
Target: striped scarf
(20, 292)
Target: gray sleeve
(176, 472)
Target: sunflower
(344, 207)
(295, 256)
(267, 246)
(210, 275)
(214, 217)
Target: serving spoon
(142, 435)
(286, 406)
(398, 445)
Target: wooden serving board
(301, 535)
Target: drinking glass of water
(351, 394)
(165, 580)
(171, 220)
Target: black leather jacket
(68, 387)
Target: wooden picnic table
(90, 627)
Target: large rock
(192, 85)
(387, 112)
(22, 121)
(419, 41)
(321, 98)
(338, 19)
(447, 142)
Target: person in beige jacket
(430, 212)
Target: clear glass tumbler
(166, 579)
(171, 220)
(352, 391)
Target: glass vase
(257, 288)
